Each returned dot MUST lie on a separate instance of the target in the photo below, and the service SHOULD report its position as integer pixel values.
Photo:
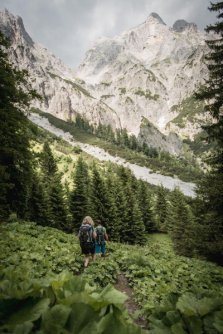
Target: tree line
(119, 137)
(128, 208)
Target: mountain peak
(157, 17)
(10, 24)
(181, 25)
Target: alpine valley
(142, 80)
(118, 142)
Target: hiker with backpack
(101, 238)
(87, 238)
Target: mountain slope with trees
(42, 203)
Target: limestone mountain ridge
(149, 73)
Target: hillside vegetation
(127, 147)
(39, 283)
(105, 191)
(161, 242)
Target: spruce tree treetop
(213, 90)
(15, 156)
(48, 162)
(80, 196)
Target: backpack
(100, 235)
(86, 233)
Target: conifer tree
(99, 197)
(133, 231)
(210, 189)
(48, 163)
(122, 208)
(132, 227)
(146, 208)
(171, 217)
(182, 224)
(161, 209)
(55, 192)
(15, 156)
(124, 175)
(67, 191)
(118, 139)
(58, 204)
(110, 136)
(133, 144)
(125, 137)
(80, 196)
(114, 221)
(134, 183)
(99, 130)
(39, 206)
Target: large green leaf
(195, 325)
(30, 310)
(187, 304)
(110, 295)
(157, 330)
(208, 326)
(81, 315)
(7, 307)
(218, 321)
(173, 316)
(90, 328)
(24, 328)
(81, 297)
(158, 326)
(178, 328)
(208, 305)
(55, 319)
(111, 324)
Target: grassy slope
(65, 154)
(171, 166)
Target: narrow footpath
(132, 307)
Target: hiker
(101, 238)
(87, 237)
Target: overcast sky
(69, 27)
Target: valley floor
(144, 173)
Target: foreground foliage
(176, 294)
(33, 295)
(76, 306)
(199, 313)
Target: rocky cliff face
(63, 94)
(150, 135)
(145, 73)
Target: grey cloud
(69, 27)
